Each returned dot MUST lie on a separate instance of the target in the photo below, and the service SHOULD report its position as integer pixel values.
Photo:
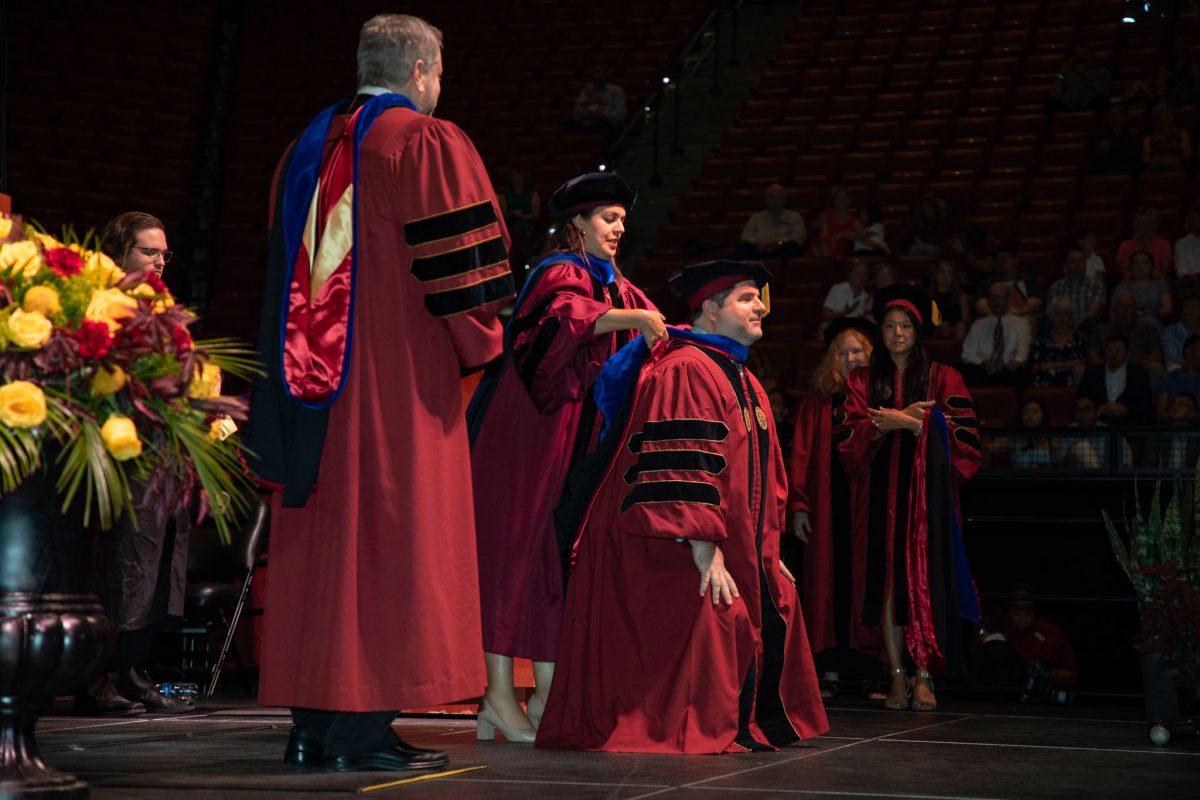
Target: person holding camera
(1037, 641)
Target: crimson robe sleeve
(676, 455)
(857, 439)
(961, 423)
(556, 351)
(456, 236)
(804, 457)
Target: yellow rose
(110, 306)
(207, 382)
(29, 328)
(42, 298)
(120, 438)
(22, 404)
(5, 227)
(101, 268)
(222, 428)
(21, 257)
(107, 381)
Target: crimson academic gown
(373, 597)
(834, 570)
(539, 419)
(647, 664)
(914, 543)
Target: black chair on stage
(214, 600)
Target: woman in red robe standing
(531, 419)
(821, 499)
(910, 435)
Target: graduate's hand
(888, 420)
(654, 327)
(917, 410)
(713, 575)
(801, 526)
(787, 573)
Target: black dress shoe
(394, 759)
(304, 749)
(101, 699)
(137, 686)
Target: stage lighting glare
(1128, 19)
(666, 79)
(602, 167)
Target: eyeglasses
(154, 252)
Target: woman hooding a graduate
(910, 430)
(531, 419)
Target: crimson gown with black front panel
(647, 664)
(914, 543)
(538, 420)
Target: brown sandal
(895, 701)
(924, 678)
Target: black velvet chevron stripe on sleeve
(676, 461)
(449, 224)
(466, 298)
(685, 429)
(459, 262)
(672, 492)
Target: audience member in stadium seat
(875, 239)
(1170, 450)
(774, 232)
(850, 298)
(1145, 237)
(522, 208)
(600, 106)
(882, 275)
(1187, 326)
(1152, 295)
(1121, 389)
(1086, 240)
(996, 349)
(1080, 85)
(1087, 451)
(838, 228)
(1086, 296)
(930, 230)
(1059, 357)
(1027, 291)
(1032, 450)
(978, 257)
(1145, 342)
(1187, 249)
(1115, 147)
(1167, 147)
(1178, 77)
(1185, 380)
(945, 287)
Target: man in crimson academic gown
(682, 630)
(387, 269)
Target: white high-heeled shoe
(534, 708)
(487, 721)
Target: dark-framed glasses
(154, 252)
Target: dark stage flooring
(968, 750)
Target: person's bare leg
(499, 695)
(893, 643)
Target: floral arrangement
(1163, 564)
(101, 379)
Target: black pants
(349, 733)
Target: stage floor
(967, 751)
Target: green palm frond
(20, 456)
(217, 467)
(87, 464)
(232, 356)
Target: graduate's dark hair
(121, 232)
(883, 369)
(566, 238)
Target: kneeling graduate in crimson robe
(689, 476)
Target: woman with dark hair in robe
(909, 434)
(531, 419)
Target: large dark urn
(53, 633)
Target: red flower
(64, 261)
(94, 339)
(181, 340)
(156, 283)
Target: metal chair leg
(233, 622)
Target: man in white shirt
(996, 350)
(774, 232)
(849, 298)
(1187, 249)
